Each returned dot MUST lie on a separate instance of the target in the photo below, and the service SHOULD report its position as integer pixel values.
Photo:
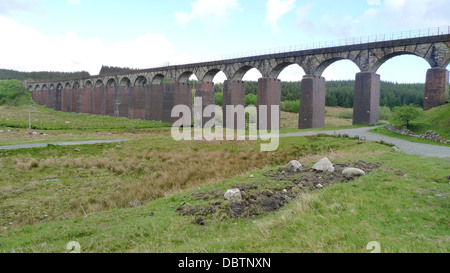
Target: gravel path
(72, 143)
(412, 148)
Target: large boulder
(353, 172)
(294, 166)
(233, 195)
(324, 165)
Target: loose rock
(233, 195)
(294, 166)
(353, 172)
(324, 165)
(395, 149)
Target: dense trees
(6, 74)
(113, 69)
(340, 93)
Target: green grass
(43, 118)
(400, 212)
(62, 127)
(89, 201)
(436, 119)
(383, 131)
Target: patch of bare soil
(264, 197)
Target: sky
(83, 35)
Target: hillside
(437, 119)
(6, 74)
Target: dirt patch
(265, 197)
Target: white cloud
(406, 15)
(374, 2)
(276, 9)
(304, 24)
(213, 12)
(73, 2)
(29, 50)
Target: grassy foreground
(403, 205)
(124, 197)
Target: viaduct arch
(152, 93)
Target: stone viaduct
(141, 94)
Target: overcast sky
(76, 35)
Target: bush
(251, 99)
(385, 113)
(218, 98)
(291, 106)
(404, 115)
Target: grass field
(403, 205)
(436, 119)
(124, 197)
(53, 126)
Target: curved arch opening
(251, 78)
(66, 86)
(44, 87)
(219, 77)
(51, 87)
(87, 84)
(291, 73)
(140, 81)
(338, 70)
(291, 76)
(111, 83)
(340, 88)
(186, 76)
(403, 68)
(158, 79)
(125, 82)
(193, 81)
(247, 73)
(212, 76)
(99, 83)
(77, 85)
(403, 80)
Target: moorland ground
(126, 197)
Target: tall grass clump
(13, 93)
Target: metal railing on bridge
(325, 44)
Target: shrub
(251, 99)
(385, 113)
(404, 115)
(218, 98)
(291, 106)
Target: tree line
(341, 93)
(6, 74)
(338, 93)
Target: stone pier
(312, 103)
(436, 88)
(367, 99)
(269, 94)
(233, 95)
